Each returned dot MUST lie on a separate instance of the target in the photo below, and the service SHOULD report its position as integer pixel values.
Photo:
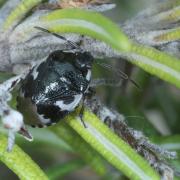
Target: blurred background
(155, 110)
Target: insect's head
(84, 60)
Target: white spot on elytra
(81, 88)
(52, 86)
(88, 75)
(63, 79)
(41, 98)
(71, 106)
(43, 120)
(35, 72)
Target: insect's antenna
(72, 44)
(119, 73)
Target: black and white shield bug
(55, 87)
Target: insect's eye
(80, 63)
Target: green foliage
(19, 12)
(20, 163)
(61, 170)
(97, 143)
(112, 148)
(95, 25)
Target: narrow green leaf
(99, 27)
(169, 35)
(162, 7)
(170, 16)
(2, 2)
(59, 171)
(20, 163)
(168, 142)
(156, 62)
(89, 23)
(19, 12)
(46, 137)
(88, 154)
(95, 25)
(112, 148)
(173, 15)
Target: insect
(55, 87)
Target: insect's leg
(105, 82)
(81, 113)
(108, 122)
(90, 93)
